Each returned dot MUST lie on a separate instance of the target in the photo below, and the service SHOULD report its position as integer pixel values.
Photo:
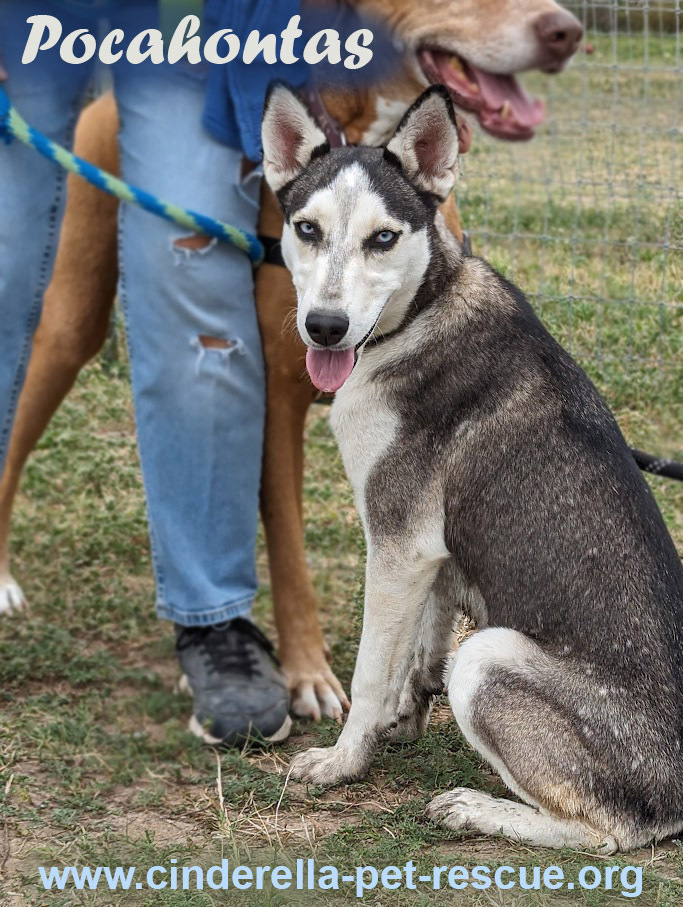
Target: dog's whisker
(289, 323)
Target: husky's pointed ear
(290, 134)
(426, 143)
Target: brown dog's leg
(314, 688)
(75, 315)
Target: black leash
(658, 466)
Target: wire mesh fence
(588, 217)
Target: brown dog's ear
(426, 143)
(289, 133)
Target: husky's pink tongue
(329, 369)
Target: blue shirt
(236, 91)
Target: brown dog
(474, 47)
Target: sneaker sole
(196, 728)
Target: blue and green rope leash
(13, 126)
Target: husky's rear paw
(463, 809)
(11, 597)
(458, 809)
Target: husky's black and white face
(357, 222)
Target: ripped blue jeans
(196, 357)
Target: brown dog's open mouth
(501, 105)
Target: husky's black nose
(326, 328)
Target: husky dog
(491, 478)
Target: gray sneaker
(235, 678)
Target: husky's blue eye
(383, 240)
(306, 230)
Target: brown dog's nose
(560, 34)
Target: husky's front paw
(11, 597)
(326, 766)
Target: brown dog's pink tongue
(329, 369)
(499, 91)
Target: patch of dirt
(309, 828)
(165, 830)
(21, 849)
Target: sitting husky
(492, 479)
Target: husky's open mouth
(500, 103)
(329, 369)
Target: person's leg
(197, 364)
(32, 192)
(198, 379)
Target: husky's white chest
(365, 429)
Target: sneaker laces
(227, 646)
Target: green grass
(97, 767)
(589, 218)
